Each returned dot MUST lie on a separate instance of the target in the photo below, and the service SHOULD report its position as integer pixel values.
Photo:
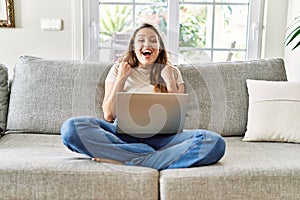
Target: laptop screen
(150, 113)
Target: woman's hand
(167, 73)
(124, 71)
(111, 89)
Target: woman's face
(146, 46)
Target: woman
(144, 67)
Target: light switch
(51, 24)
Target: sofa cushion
(247, 171)
(45, 92)
(218, 92)
(35, 166)
(3, 96)
(274, 109)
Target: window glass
(198, 1)
(155, 15)
(114, 18)
(232, 1)
(106, 55)
(194, 56)
(224, 56)
(151, 1)
(230, 26)
(114, 1)
(208, 30)
(195, 26)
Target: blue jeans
(98, 138)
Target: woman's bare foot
(104, 160)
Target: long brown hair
(162, 60)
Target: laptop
(146, 114)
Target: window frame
(254, 31)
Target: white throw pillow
(274, 111)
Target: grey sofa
(34, 164)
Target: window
(194, 30)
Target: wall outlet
(51, 24)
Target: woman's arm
(111, 89)
(181, 88)
(169, 77)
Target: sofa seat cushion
(247, 171)
(35, 166)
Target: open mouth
(146, 53)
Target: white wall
(278, 15)
(275, 16)
(292, 60)
(28, 38)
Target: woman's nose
(147, 44)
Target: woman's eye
(141, 40)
